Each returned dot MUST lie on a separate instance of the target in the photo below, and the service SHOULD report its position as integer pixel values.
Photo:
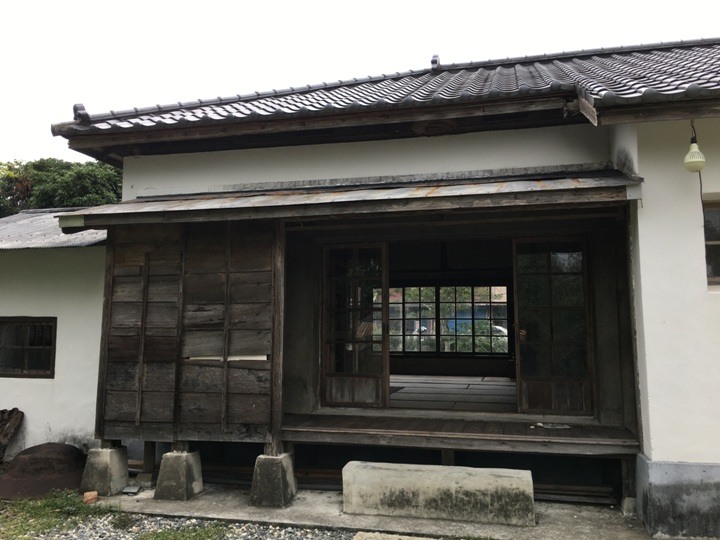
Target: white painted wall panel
(68, 284)
(679, 314)
(194, 173)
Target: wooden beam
(314, 122)
(141, 350)
(657, 112)
(342, 210)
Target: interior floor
(486, 394)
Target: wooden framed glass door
(554, 367)
(355, 344)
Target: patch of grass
(212, 531)
(59, 510)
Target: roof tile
(620, 76)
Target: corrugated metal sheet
(313, 201)
(34, 229)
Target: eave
(379, 124)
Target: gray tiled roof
(40, 229)
(605, 77)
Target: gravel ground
(132, 527)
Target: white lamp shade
(694, 159)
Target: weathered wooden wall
(188, 333)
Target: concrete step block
(106, 471)
(501, 496)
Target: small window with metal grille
(27, 346)
(711, 213)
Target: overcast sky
(117, 55)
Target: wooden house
(501, 257)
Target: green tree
(54, 183)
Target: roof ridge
(581, 53)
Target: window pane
(396, 328)
(483, 328)
(11, 360)
(396, 343)
(369, 361)
(567, 291)
(483, 344)
(395, 295)
(395, 311)
(447, 311)
(368, 262)
(499, 328)
(447, 327)
(464, 344)
(712, 224)
(412, 294)
(534, 290)
(427, 311)
(412, 343)
(499, 294)
(566, 262)
(339, 261)
(481, 294)
(570, 360)
(428, 343)
(499, 311)
(712, 260)
(464, 294)
(535, 360)
(569, 325)
(342, 360)
(464, 326)
(447, 294)
(499, 344)
(528, 263)
(535, 325)
(412, 311)
(427, 294)
(447, 344)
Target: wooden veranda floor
(488, 394)
(476, 435)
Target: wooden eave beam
(650, 112)
(338, 210)
(417, 114)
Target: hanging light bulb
(694, 159)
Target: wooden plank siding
(188, 333)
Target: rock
(37, 470)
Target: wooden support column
(275, 445)
(149, 457)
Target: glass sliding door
(355, 345)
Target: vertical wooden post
(275, 445)
(178, 358)
(149, 457)
(107, 306)
(226, 328)
(141, 354)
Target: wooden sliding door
(355, 347)
(554, 368)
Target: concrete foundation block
(273, 483)
(678, 498)
(502, 496)
(180, 476)
(106, 471)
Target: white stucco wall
(194, 173)
(678, 314)
(66, 283)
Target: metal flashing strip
(330, 203)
